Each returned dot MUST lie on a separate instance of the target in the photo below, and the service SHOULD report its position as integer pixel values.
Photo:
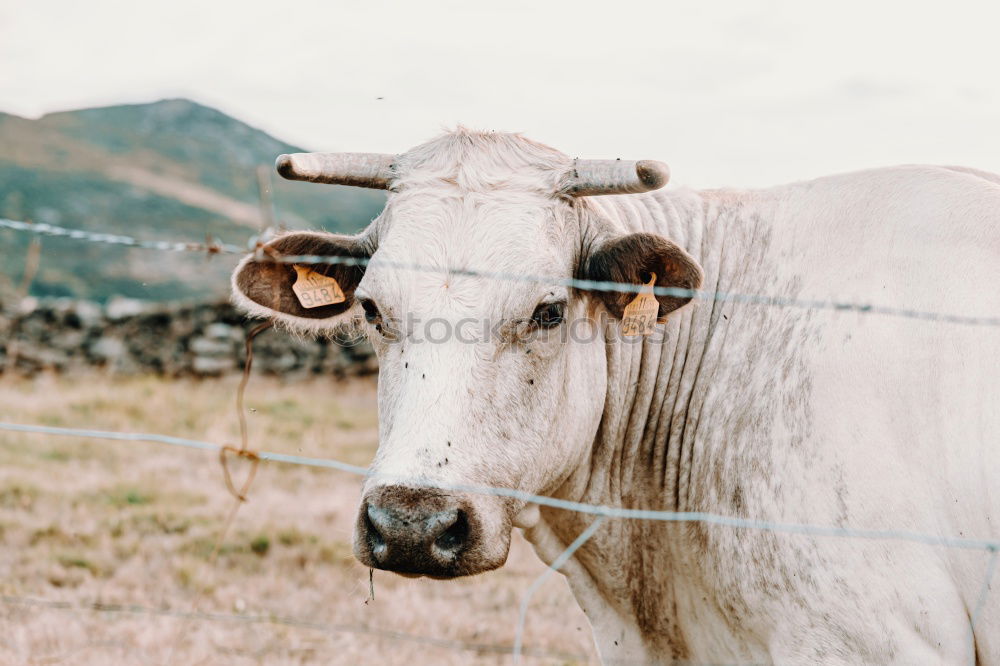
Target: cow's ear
(263, 287)
(632, 259)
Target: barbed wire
(210, 246)
(255, 243)
(601, 512)
(628, 288)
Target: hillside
(172, 169)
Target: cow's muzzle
(422, 531)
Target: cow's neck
(641, 455)
(645, 452)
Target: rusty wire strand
(244, 450)
(240, 494)
(245, 379)
(32, 260)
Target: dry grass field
(105, 545)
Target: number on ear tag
(315, 289)
(639, 317)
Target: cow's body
(765, 412)
(800, 416)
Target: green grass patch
(122, 497)
(77, 561)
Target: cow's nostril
(455, 536)
(375, 539)
(412, 531)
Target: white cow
(773, 413)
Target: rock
(119, 308)
(276, 364)
(89, 313)
(211, 347)
(129, 336)
(41, 358)
(69, 340)
(212, 365)
(27, 305)
(223, 332)
(108, 349)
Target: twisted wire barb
(543, 500)
(629, 288)
(834, 305)
(210, 246)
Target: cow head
(492, 370)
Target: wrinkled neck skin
(646, 452)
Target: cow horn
(372, 170)
(592, 177)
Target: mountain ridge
(174, 168)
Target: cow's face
(491, 370)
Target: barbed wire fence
(601, 513)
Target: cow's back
(782, 412)
(881, 420)
(902, 418)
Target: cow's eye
(372, 314)
(548, 315)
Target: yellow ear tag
(639, 317)
(315, 289)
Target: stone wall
(130, 337)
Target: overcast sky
(727, 92)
